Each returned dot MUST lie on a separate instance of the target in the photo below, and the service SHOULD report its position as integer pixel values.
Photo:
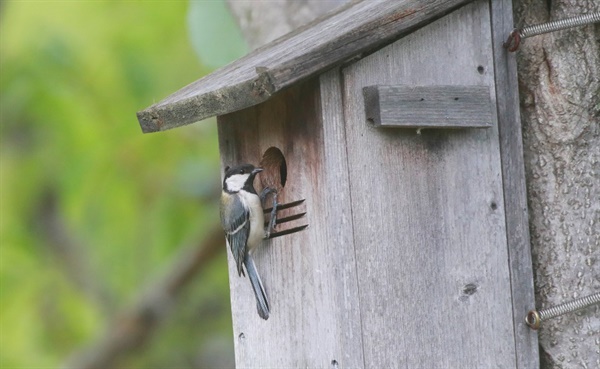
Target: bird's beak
(257, 170)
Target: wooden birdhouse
(394, 126)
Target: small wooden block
(428, 106)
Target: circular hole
(493, 205)
(274, 173)
(530, 319)
(334, 364)
(456, 98)
(480, 69)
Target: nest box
(397, 124)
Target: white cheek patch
(236, 182)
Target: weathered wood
(406, 262)
(428, 211)
(513, 174)
(353, 31)
(310, 276)
(428, 106)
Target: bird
(242, 220)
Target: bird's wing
(236, 223)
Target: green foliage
(214, 34)
(73, 74)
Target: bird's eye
(241, 171)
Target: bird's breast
(257, 219)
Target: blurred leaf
(72, 76)
(215, 36)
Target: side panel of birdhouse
(310, 276)
(428, 209)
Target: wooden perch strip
(353, 31)
(428, 106)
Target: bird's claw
(273, 216)
(275, 220)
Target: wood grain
(428, 106)
(411, 256)
(310, 276)
(428, 211)
(513, 174)
(353, 31)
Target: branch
(134, 327)
(73, 259)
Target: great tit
(243, 221)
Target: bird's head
(240, 177)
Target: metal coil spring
(514, 38)
(559, 25)
(535, 318)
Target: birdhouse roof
(347, 34)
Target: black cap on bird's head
(240, 177)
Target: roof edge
(355, 30)
(163, 116)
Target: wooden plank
(428, 106)
(310, 277)
(428, 211)
(353, 31)
(513, 174)
(338, 240)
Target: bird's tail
(262, 302)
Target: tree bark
(559, 86)
(559, 75)
(262, 21)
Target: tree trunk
(263, 21)
(559, 86)
(559, 75)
